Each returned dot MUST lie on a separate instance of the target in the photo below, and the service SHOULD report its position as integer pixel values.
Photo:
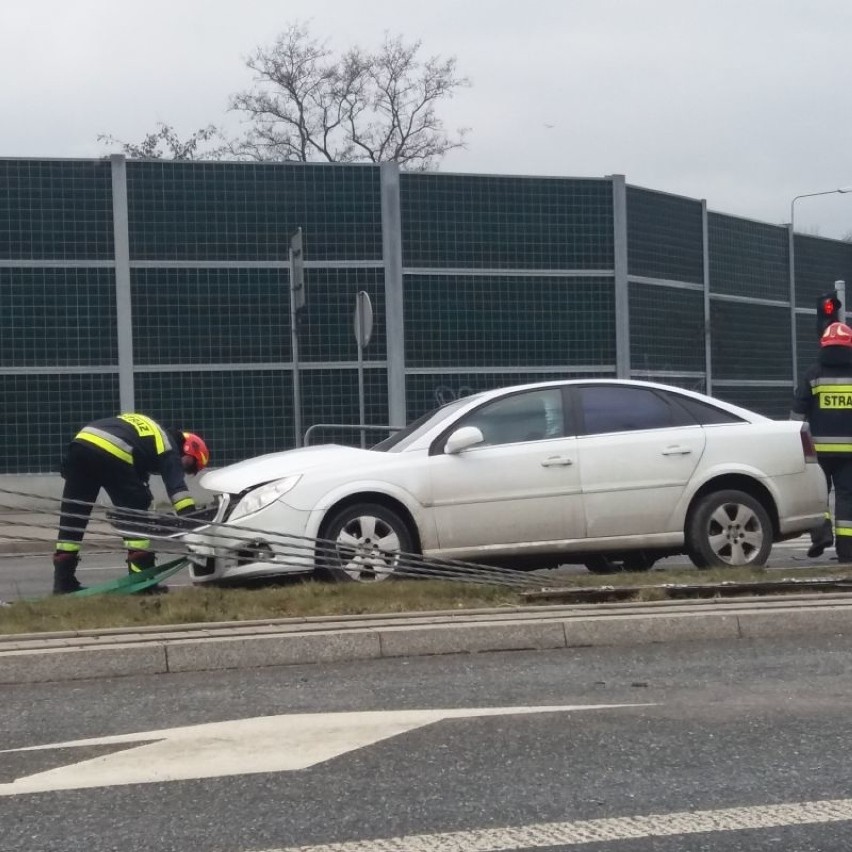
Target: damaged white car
(599, 472)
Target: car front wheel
(728, 529)
(362, 543)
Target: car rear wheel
(728, 529)
(362, 543)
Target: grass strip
(204, 605)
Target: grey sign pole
(363, 332)
(297, 303)
(840, 287)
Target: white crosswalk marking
(560, 834)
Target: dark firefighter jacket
(824, 399)
(142, 443)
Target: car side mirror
(463, 438)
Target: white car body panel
(633, 482)
(507, 494)
(576, 494)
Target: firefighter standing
(824, 399)
(118, 454)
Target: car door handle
(557, 461)
(676, 451)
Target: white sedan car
(599, 472)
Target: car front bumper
(271, 541)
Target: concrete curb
(99, 654)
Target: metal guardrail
(357, 427)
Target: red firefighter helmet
(837, 334)
(195, 447)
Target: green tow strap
(133, 583)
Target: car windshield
(405, 437)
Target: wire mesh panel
(331, 396)
(774, 401)
(666, 328)
(506, 280)
(41, 413)
(807, 341)
(748, 258)
(210, 316)
(56, 210)
(508, 321)
(490, 222)
(664, 236)
(55, 317)
(326, 329)
(246, 211)
(819, 263)
(750, 342)
(240, 413)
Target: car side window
(532, 416)
(616, 408)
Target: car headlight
(261, 497)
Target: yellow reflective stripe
(183, 504)
(68, 546)
(137, 543)
(833, 448)
(105, 445)
(827, 516)
(146, 427)
(843, 531)
(831, 381)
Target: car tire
(362, 543)
(728, 529)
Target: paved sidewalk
(37, 658)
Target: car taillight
(808, 447)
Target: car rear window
(704, 413)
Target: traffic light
(828, 311)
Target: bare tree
(165, 144)
(308, 105)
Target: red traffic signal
(828, 310)
(830, 306)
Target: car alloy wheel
(729, 528)
(363, 543)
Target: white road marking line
(547, 835)
(245, 746)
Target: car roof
(745, 413)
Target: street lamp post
(792, 252)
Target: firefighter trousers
(838, 475)
(86, 470)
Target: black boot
(142, 560)
(821, 537)
(64, 570)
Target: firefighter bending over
(118, 454)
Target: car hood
(236, 478)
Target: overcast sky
(746, 103)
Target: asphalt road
(716, 746)
(31, 576)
